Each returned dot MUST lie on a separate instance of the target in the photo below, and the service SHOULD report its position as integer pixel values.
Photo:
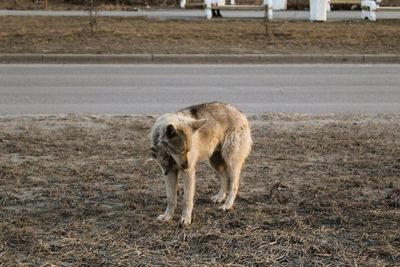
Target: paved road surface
(144, 89)
(199, 14)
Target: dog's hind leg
(234, 177)
(218, 163)
(171, 188)
(235, 150)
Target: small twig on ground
(268, 30)
(92, 17)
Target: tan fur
(214, 131)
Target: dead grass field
(324, 190)
(136, 36)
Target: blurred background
(134, 4)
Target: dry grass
(136, 36)
(316, 191)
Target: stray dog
(215, 131)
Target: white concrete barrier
(207, 9)
(210, 5)
(318, 10)
(370, 7)
(268, 7)
(279, 5)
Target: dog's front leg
(188, 197)
(171, 188)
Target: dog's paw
(164, 218)
(185, 220)
(225, 207)
(218, 198)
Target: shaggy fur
(214, 131)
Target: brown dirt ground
(138, 35)
(75, 190)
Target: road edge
(199, 58)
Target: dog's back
(225, 125)
(225, 115)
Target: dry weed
(316, 191)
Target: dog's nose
(185, 165)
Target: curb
(199, 59)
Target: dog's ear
(170, 131)
(197, 124)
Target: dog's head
(177, 140)
(166, 162)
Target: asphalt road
(153, 89)
(199, 14)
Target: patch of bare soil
(316, 190)
(136, 36)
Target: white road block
(279, 4)
(318, 10)
(207, 9)
(182, 3)
(368, 9)
(209, 4)
(267, 6)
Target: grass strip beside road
(72, 35)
